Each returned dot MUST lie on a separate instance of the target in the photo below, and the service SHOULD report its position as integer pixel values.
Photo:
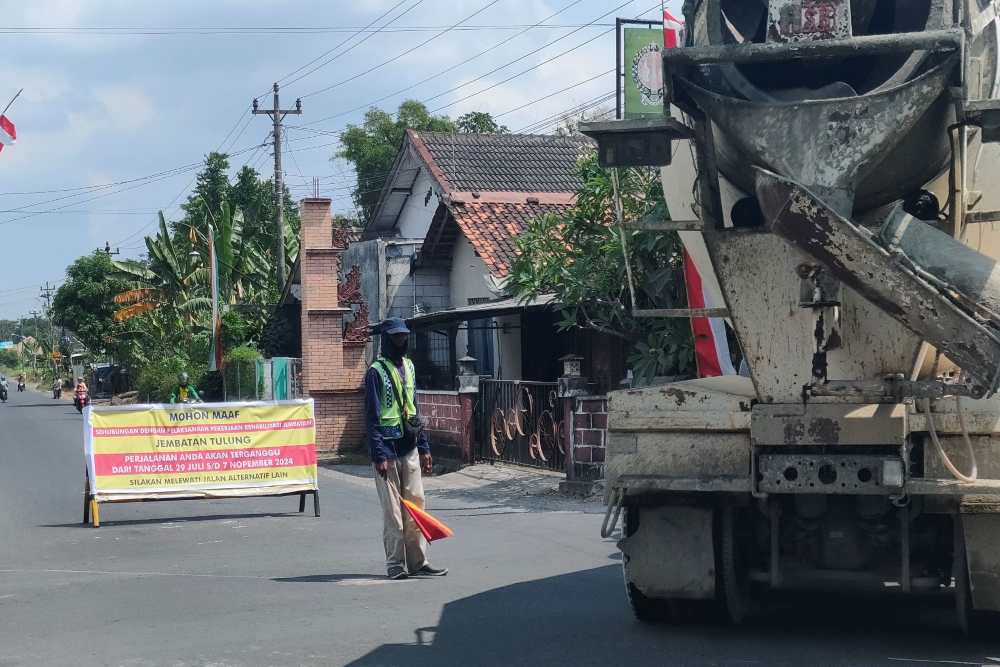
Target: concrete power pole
(34, 366)
(47, 295)
(277, 114)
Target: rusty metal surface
(841, 474)
(808, 20)
(829, 424)
(974, 275)
(803, 221)
(758, 275)
(866, 45)
(685, 458)
(826, 145)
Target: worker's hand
(426, 463)
(382, 468)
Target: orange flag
(428, 525)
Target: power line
(404, 53)
(328, 52)
(357, 44)
(453, 67)
(138, 31)
(558, 92)
(522, 72)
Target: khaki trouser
(404, 474)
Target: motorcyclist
(57, 388)
(185, 392)
(81, 396)
(20, 382)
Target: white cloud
(126, 108)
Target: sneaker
(397, 572)
(430, 571)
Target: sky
(123, 99)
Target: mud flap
(982, 547)
(671, 554)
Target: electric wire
(403, 53)
(453, 67)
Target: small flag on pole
(431, 528)
(8, 133)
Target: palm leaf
(134, 295)
(128, 312)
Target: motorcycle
(80, 401)
(56, 391)
(20, 386)
(3, 394)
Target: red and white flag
(711, 342)
(672, 30)
(8, 133)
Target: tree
(578, 257)
(480, 122)
(84, 303)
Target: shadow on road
(175, 519)
(574, 619)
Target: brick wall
(332, 370)
(590, 436)
(442, 414)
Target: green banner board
(643, 69)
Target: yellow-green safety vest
(391, 418)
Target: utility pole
(107, 250)
(277, 114)
(34, 367)
(47, 295)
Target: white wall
(415, 218)
(468, 281)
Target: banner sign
(643, 72)
(205, 450)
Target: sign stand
(92, 508)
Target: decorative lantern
(572, 366)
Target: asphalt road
(251, 582)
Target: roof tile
(507, 162)
(492, 229)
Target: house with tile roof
(441, 241)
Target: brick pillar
(468, 390)
(331, 376)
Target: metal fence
(520, 422)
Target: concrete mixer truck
(831, 167)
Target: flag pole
(11, 102)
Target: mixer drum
(920, 157)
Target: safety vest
(391, 417)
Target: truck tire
(645, 609)
(663, 610)
(972, 622)
(734, 583)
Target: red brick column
(466, 405)
(590, 433)
(332, 370)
